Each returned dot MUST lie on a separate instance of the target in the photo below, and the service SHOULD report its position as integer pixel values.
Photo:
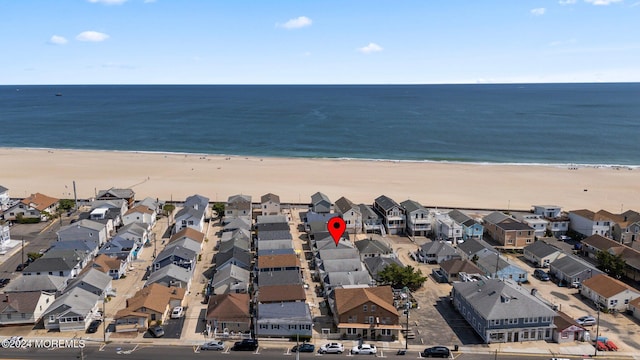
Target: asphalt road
(144, 352)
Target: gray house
(47, 283)
(192, 214)
(236, 256)
(176, 255)
(286, 277)
(350, 213)
(376, 264)
(72, 311)
(393, 214)
(238, 205)
(571, 271)
(83, 230)
(93, 281)
(120, 248)
(242, 222)
(418, 218)
(337, 279)
(320, 203)
(542, 254)
(501, 311)
(495, 266)
(243, 244)
(89, 247)
(171, 275)
(471, 249)
(374, 246)
(64, 263)
(280, 320)
(435, 252)
(230, 279)
(236, 234)
(137, 232)
(371, 221)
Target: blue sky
(318, 42)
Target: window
(529, 241)
(275, 326)
(264, 326)
(373, 307)
(8, 316)
(293, 327)
(352, 331)
(24, 316)
(353, 319)
(385, 332)
(512, 321)
(52, 318)
(364, 308)
(495, 322)
(371, 320)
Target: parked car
(586, 320)
(93, 326)
(245, 345)
(212, 345)
(21, 267)
(365, 349)
(306, 347)
(541, 275)
(156, 331)
(564, 238)
(439, 275)
(436, 351)
(177, 312)
(4, 282)
(331, 348)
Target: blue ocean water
(519, 123)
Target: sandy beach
(175, 176)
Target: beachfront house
(320, 203)
(418, 218)
(366, 313)
(627, 229)
(350, 213)
(537, 222)
(36, 206)
(371, 221)
(238, 205)
(471, 229)
(588, 223)
(446, 228)
(24, 308)
(392, 213)
(507, 231)
(229, 313)
(542, 254)
(83, 230)
(192, 214)
(270, 204)
(558, 222)
(117, 194)
(502, 311)
(608, 293)
(280, 320)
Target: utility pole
(406, 333)
(104, 318)
(22, 264)
(595, 351)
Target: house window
(8, 316)
(364, 308)
(495, 322)
(264, 326)
(52, 318)
(352, 331)
(385, 332)
(293, 327)
(353, 319)
(613, 302)
(371, 320)
(275, 326)
(373, 308)
(529, 241)
(24, 316)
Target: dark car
(21, 267)
(245, 345)
(306, 347)
(436, 351)
(4, 282)
(93, 327)
(156, 331)
(541, 275)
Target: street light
(407, 305)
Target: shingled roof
(348, 299)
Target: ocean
(595, 124)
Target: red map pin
(336, 228)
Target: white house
(445, 228)
(21, 308)
(537, 222)
(5, 234)
(542, 254)
(37, 205)
(548, 211)
(139, 214)
(72, 311)
(611, 293)
(270, 204)
(4, 198)
(588, 223)
(350, 214)
(558, 223)
(238, 205)
(192, 214)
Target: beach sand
(176, 176)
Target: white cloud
(58, 40)
(297, 23)
(602, 2)
(567, 2)
(108, 2)
(538, 11)
(371, 48)
(92, 36)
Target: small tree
(66, 204)
(613, 265)
(218, 208)
(399, 277)
(168, 209)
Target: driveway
(172, 329)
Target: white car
(586, 320)
(331, 348)
(177, 312)
(212, 345)
(365, 349)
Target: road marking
(102, 347)
(196, 349)
(288, 352)
(257, 351)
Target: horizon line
(329, 84)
